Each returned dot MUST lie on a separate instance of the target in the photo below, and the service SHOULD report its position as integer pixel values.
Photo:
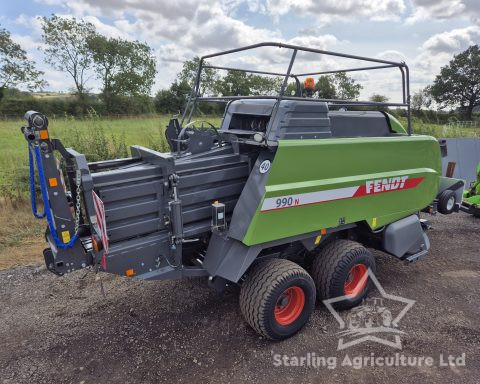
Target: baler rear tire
(331, 268)
(266, 284)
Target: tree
(67, 42)
(420, 99)
(188, 74)
(126, 68)
(172, 100)
(292, 89)
(15, 67)
(238, 83)
(326, 88)
(377, 98)
(458, 84)
(346, 87)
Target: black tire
(331, 270)
(446, 202)
(265, 286)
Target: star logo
(367, 321)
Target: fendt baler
(286, 184)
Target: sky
(423, 33)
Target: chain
(78, 181)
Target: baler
(283, 198)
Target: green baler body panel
(348, 180)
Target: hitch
(63, 227)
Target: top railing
(380, 64)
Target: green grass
(440, 131)
(97, 138)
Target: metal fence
(465, 152)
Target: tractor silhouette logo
(369, 317)
(376, 319)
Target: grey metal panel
(168, 273)
(307, 121)
(154, 238)
(141, 254)
(224, 174)
(97, 165)
(135, 228)
(234, 260)
(405, 236)
(197, 228)
(224, 149)
(359, 124)
(210, 163)
(212, 194)
(125, 203)
(205, 211)
(131, 210)
(115, 193)
(130, 174)
(300, 120)
(250, 198)
(465, 152)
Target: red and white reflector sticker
(101, 222)
(370, 187)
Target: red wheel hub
(356, 282)
(289, 305)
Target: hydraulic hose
(43, 187)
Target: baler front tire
(277, 298)
(334, 265)
(446, 202)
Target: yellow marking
(374, 222)
(66, 236)
(318, 239)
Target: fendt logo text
(384, 185)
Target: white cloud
(219, 31)
(452, 41)
(444, 10)
(346, 9)
(119, 30)
(28, 43)
(392, 55)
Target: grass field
(97, 138)
(20, 234)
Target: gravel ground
(56, 329)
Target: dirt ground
(61, 329)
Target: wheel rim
(355, 283)
(450, 203)
(289, 305)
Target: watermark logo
(377, 319)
